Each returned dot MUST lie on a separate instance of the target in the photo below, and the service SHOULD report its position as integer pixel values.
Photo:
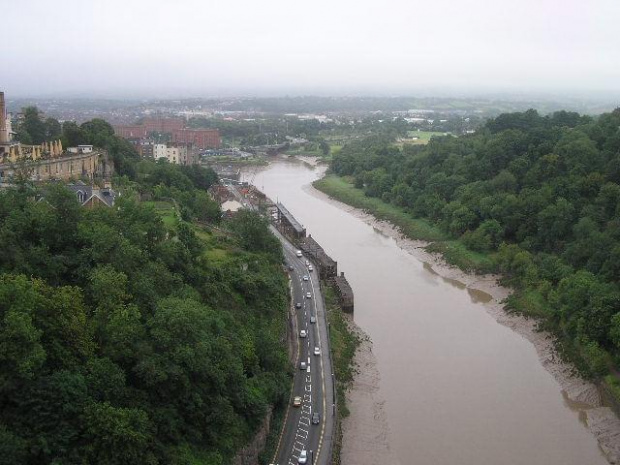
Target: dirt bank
(366, 430)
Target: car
(316, 418)
(308, 295)
(312, 319)
(302, 365)
(303, 333)
(307, 262)
(305, 277)
(290, 268)
(298, 305)
(303, 457)
(310, 268)
(297, 401)
(298, 253)
(317, 351)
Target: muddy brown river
(459, 388)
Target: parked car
(303, 457)
(298, 253)
(290, 268)
(312, 319)
(302, 365)
(317, 351)
(298, 305)
(303, 333)
(310, 268)
(296, 401)
(316, 418)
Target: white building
(231, 206)
(159, 151)
(176, 155)
(81, 149)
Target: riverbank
(366, 441)
(365, 431)
(413, 236)
(344, 343)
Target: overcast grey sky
(273, 47)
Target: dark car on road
(316, 418)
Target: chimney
(4, 137)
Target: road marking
(288, 409)
(318, 334)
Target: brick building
(130, 131)
(199, 138)
(168, 125)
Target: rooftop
(291, 219)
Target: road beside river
(457, 381)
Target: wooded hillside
(540, 195)
(131, 335)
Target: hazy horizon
(146, 49)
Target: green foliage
(537, 194)
(32, 129)
(121, 342)
(255, 236)
(186, 184)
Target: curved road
(314, 384)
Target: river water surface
(459, 388)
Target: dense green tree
(72, 134)
(126, 344)
(53, 129)
(252, 229)
(33, 126)
(541, 194)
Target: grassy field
(414, 228)
(166, 210)
(423, 137)
(343, 190)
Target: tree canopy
(541, 194)
(127, 339)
